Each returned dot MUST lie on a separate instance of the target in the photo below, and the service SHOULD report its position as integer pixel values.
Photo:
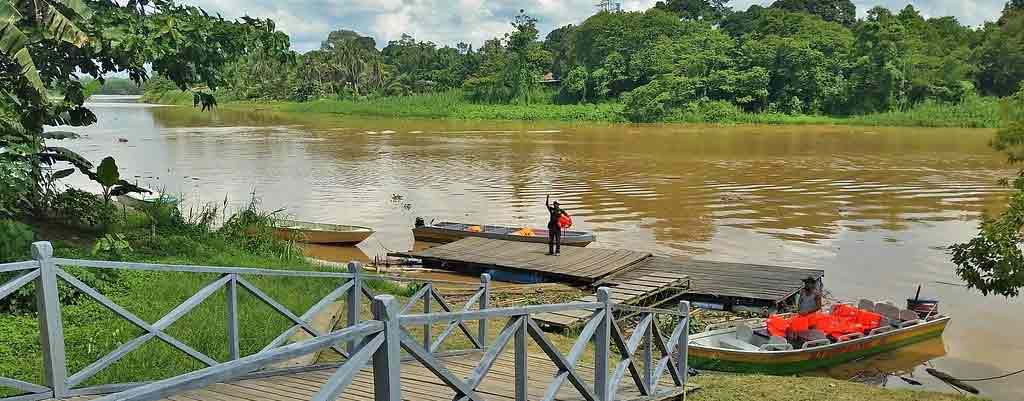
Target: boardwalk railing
(643, 352)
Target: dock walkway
(719, 285)
(417, 384)
(727, 284)
(575, 264)
(647, 290)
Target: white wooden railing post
(387, 358)
(648, 352)
(521, 356)
(602, 342)
(231, 293)
(485, 301)
(51, 328)
(427, 296)
(353, 301)
(683, 346)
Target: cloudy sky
(474, 21)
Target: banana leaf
(12, 44)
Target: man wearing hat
(810, 297)
(554, 229)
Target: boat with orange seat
(445, 232)
(845, 334)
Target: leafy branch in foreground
(993, 261)
(51, 49)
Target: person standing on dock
(810, 297)
(554, 229)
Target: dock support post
(387, 358)
(485, 301)
(683, 346)
(602, 342)
(231, 295)
(522, 355)
(51, 328)
(354, 300)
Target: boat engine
(420, 222)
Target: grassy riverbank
(721, 387)
(973, 113)
(91, 331)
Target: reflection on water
(874, 207)
(888, 368)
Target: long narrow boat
(724, 348)
(320, 233)
(140, 200)
(445, 232)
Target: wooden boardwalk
(657, 280)
(726, 283)
(417, 384)
(651, 289)
(576, 264)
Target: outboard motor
(420, 222)
(923, 307)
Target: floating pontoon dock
(639, 278)
(527, 261)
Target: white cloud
(448, 22)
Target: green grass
(91, 331)
(726, 387)
(451, 105)
(973, 113)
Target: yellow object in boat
(474, 229)
(524, 232)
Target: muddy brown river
(874, 207)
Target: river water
(874, 207)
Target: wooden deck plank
(764, 283)
(585, 265)
(418, 383)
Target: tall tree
(841, 11)
(706, 10)
(510, 67)
(1001, 55)
(559, 43)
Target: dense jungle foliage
(811, 57)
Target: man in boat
(809, 300)
(554, 229)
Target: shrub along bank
(975, 112)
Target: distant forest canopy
(114, 86)
(795, 56)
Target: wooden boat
(445, 232)
(320, 233)
(723, 348)
(139, 200)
